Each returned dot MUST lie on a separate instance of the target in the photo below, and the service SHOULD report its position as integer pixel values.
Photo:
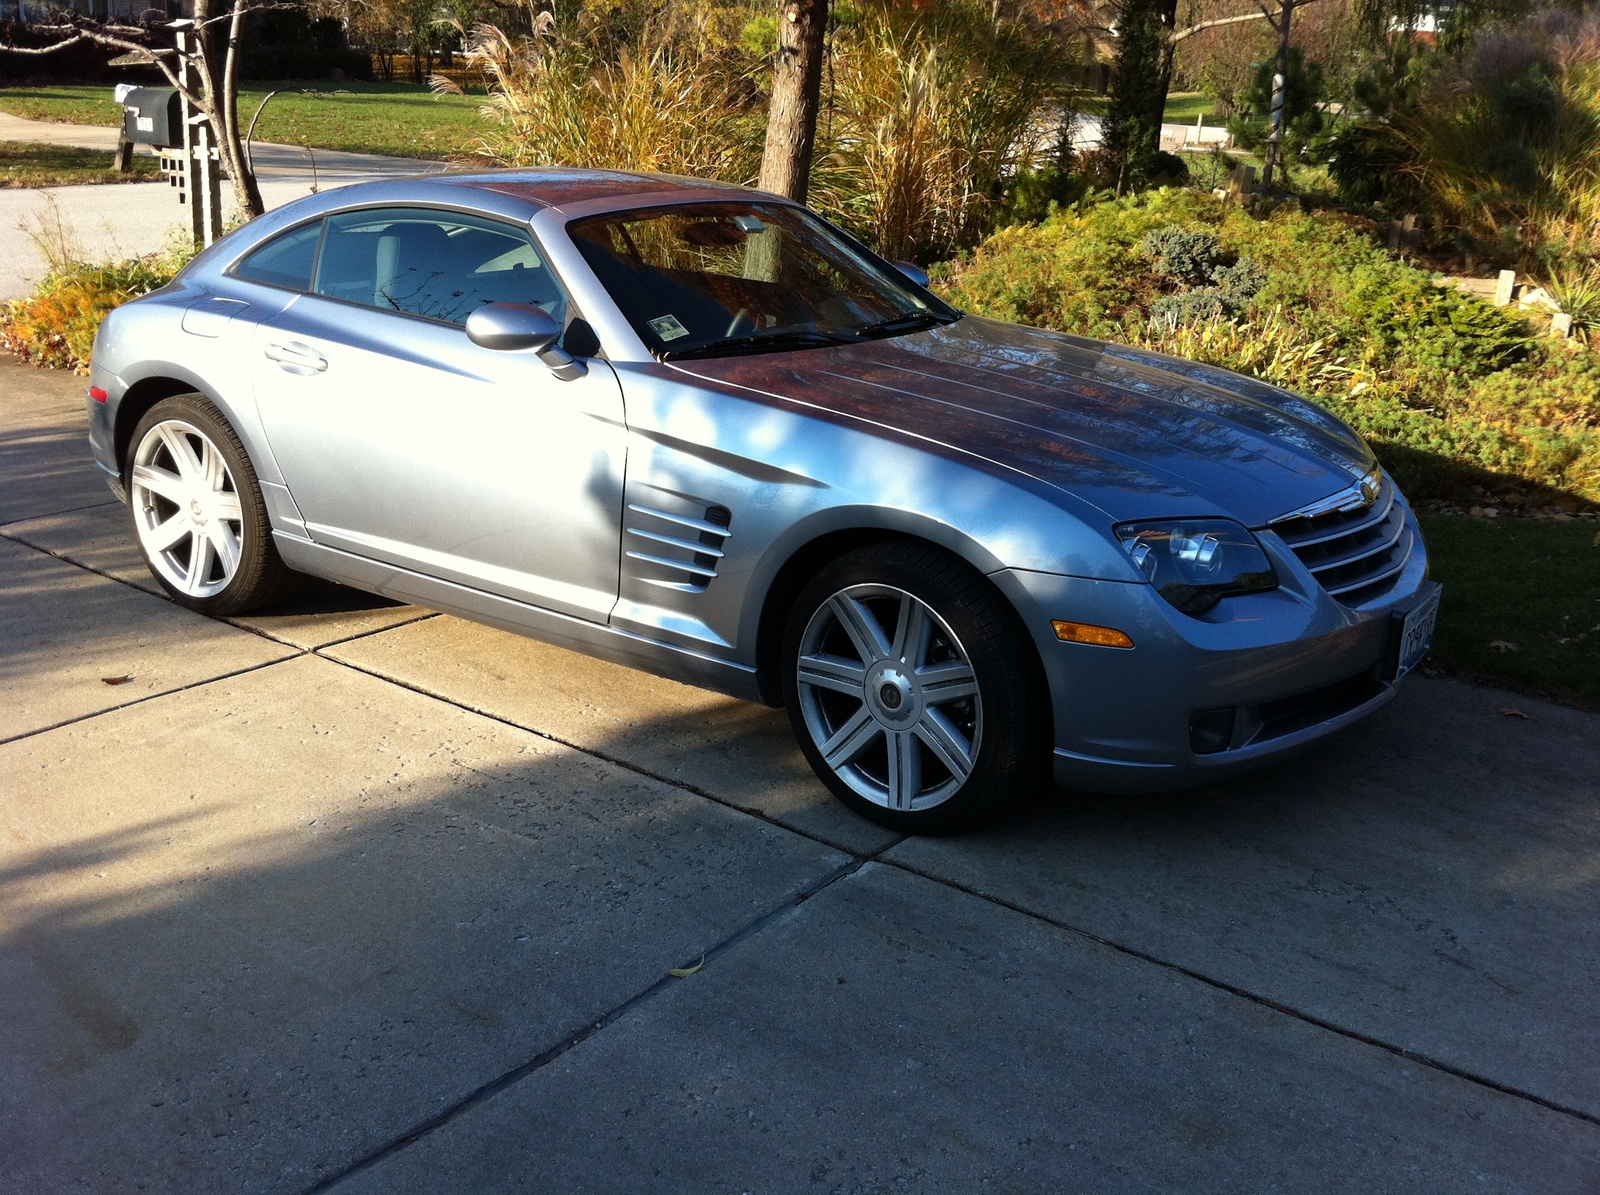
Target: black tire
(910, 716)
(258, 576)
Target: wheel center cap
(196, 511)
(892, 695)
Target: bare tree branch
(221, 18)
(1202, 26)
(50, 49)
(81, 25)
(1270, 15)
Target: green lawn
(35, 164)
(1521, 603)
(1182, 107)
(377, 118)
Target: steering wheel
(741, 323)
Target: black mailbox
(153, 116)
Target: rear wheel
(197, 510)
(914, 694)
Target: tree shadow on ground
(280, 919)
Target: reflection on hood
(1137, 434)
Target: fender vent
(684, 551)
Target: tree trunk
(245, 189)
(1128, 136)
(1280, 79)
(796, 97)
(1168, 12)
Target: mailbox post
(202, 168)
(163, 117)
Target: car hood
(1136, 434)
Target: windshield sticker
(668, 327)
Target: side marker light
(1083, 632)
(98, 394)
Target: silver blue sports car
(697, 430)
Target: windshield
(715, 279)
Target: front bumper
(1288, 667)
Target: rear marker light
(98, 394)
(1083, 632)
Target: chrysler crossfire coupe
(695, 429)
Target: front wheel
(197, 510)
(913, 693)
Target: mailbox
(152, 116)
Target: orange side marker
(1083, 632)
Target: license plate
(1416, 633)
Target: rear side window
(434, 264)
(287, 261)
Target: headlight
(1194, 563)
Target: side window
(439, 265)
(286, 261)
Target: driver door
(402, 441)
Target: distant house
(1424, 28)
(131, 11)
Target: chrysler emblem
(1355, 497)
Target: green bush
(1451, 391)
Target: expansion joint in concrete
(71, 510)
(147, 698)
(576, 1038)
(1256, 998)
(618, 761)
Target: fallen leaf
(1501, 646)
(685, 972)
(115, 680)
(1507, 712)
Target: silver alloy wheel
(186, 508)
(889, 697)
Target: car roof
(566, 186)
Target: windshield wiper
(755, 342)
(915, 321)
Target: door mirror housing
(914, 272)
(514, 327)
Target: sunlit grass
(401, 119)
(35, 164)
(1183, 106)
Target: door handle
(296, 356)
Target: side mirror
(914, 272)
(513, 327)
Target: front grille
(1354, 553)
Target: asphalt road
(130, 219)
(355, 897)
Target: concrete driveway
(354, 897)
